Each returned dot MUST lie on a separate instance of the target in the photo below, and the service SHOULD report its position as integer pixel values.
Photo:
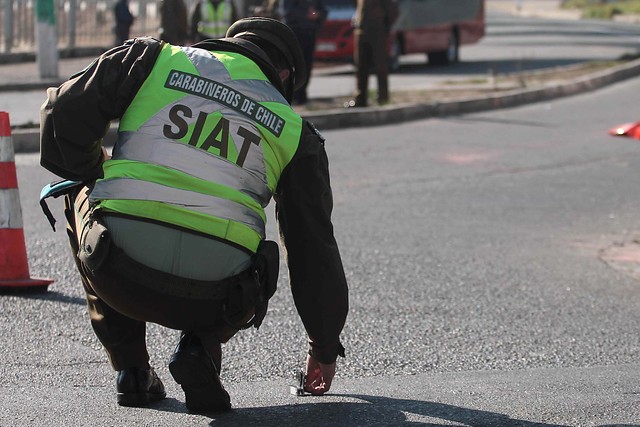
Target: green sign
(45, 12)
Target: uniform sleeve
(304, 203)
(77, 114)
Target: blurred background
(82, 23)
(90, 23)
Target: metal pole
(241, 7)
(47, 52)
(8, 25)
(73, 23)
(142, 16)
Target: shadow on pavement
(373, 410)
(43, 295)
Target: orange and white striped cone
(14, 267)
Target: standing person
(171, 228)
(174, 28)
(372, 24)
(268, 8)
(211, 19)
(124, 21)
(305, 17)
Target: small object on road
(298, 390)
(631, 130)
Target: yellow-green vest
(214, 20)
(201, 146)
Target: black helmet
(279, 35)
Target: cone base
(24, 285)
(631, 130)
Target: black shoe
(138, 387)
(193, 368)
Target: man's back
(198, 150)
(374, 15)
(173, 21)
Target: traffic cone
(14, 268)
(632, 130)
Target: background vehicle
(435, 27)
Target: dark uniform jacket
(77, 115)
(296, 13)
(174, 27)
(374, 15)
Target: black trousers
(371, 52)
(307, 39)
(123, 295)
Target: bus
(435, 27)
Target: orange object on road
(14, 267)
(631, 130)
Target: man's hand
(319, 376)
(313, 14)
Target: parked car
(435, 27)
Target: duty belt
(122, 265)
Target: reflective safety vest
(214, 20)
(201, 146)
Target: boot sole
(139, 399)
(202, 388)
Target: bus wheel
(449, 56)
(394, 55)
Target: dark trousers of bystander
(371, 52)
(307, 38)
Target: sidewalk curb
(338, 118)
(27, 140)
(76, 52)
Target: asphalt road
(474, 250)
(473, 247)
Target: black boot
(138, 387)
(194, 369)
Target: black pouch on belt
(268, 267)
(255, 292)
(94, 246)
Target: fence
(80, 23)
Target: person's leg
(363, 64)
(197, 361)
(122, 337)
(381, 63)
(122, 34)
(307, 41)
(195, 365)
